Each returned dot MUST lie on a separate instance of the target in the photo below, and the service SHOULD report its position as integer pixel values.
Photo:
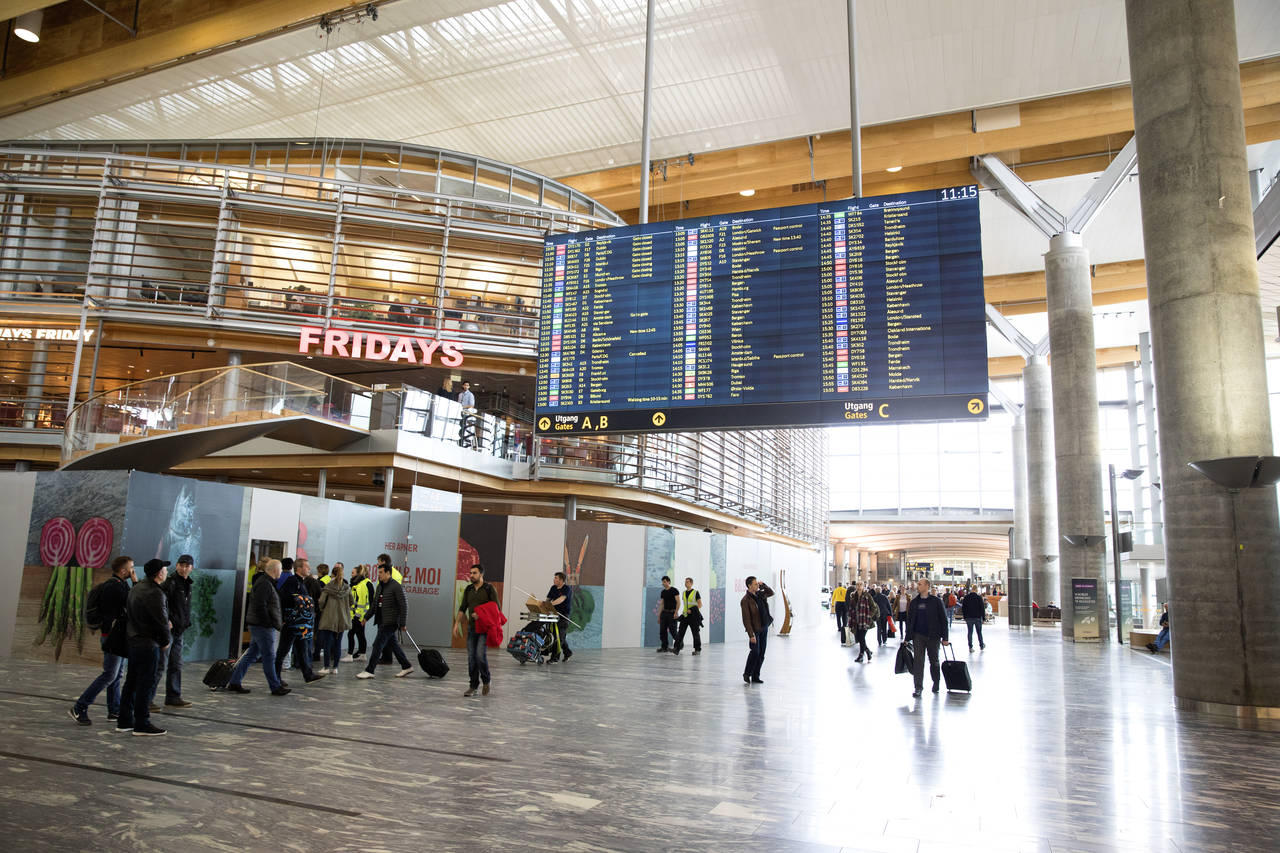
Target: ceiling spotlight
(746, 193)
(894, 169)
(27, 27)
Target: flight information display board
(866, 310)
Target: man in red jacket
(475, 594)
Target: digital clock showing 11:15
(957, 193)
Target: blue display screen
(866, 310)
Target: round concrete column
(1077, 445)
(1042, 487)
(1021, 543)
(1222, 551)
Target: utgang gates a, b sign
(371, 346)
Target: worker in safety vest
(840, 605)
(691, 617)
(361, 591)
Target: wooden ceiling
(1055, 137)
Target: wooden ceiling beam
(1058, 136)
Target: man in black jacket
(974, 608)
(882, 621)
(147, 610)
(389, 613)
(112, 596)
(264, 621)
(177, 591)
(926, 627)
(299, 621)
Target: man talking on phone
(755, 619)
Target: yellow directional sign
(544, 424)
(659, 418)
(976, 405)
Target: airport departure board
(860, 311)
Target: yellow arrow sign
(544, 424)
(976, 405)
(659, 419)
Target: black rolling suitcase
(220, 673)
(430, 661)
(955, 672)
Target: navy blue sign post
(860, 311)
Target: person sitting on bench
(1162, 639)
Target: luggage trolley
(537, 639)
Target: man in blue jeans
(475, 594)
(389, 613)
(111, 602)
(147, 610)
(265, 621)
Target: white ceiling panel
(555, 84)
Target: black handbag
(905, 661)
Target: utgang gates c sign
(338, 343)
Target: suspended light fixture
(27, 27)
(894, 169)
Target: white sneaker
(406, 671)
(322, 671)
(364, 673)
(344, 658)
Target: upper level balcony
(282, 233)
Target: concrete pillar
(22, 466)
(35, 384)
(1021, 542)
(322, 482)
(1206, 335)
(231, 385)
(1042, 488)
(570, 508)
(388, 488)
(1076, 440)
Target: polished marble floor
(1059, 748)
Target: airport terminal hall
(794, 426)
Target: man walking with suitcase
(390, 612)
(925, 627)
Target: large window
(928, 468)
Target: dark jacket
(148, 613)
(973, 606)
(264, 603)
(313, 587)
(763, 594)
(112, 601)
(177, 591)
(290, 586)
(389, 607)
(755, 612)
(937, 615)
(882, 601)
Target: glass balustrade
(210, 398)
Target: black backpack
(93, 615)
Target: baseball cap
(153, 567)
